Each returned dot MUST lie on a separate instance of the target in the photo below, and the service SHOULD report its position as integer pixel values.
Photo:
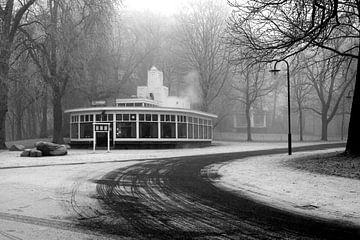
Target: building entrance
(102, 135)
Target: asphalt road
(173, 198)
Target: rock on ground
(35, 153)
(51, 149)
(17, 147)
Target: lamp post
(288, 100)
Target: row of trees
(70, 53)
(262, 30)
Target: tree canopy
(272, 28)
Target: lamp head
(274, 71)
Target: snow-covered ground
(41, 195)
(11, 159)
(268, 179)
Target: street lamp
(288, 88)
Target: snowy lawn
(330, 164)
(12, 159)
(50, 190)
(271, 180)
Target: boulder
(35, 153)
(46, 147)
(25, 153)
(59, 151)
(51, 149)
(17, 147)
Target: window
(196, 128)
(138, 104)
(196, 131)
(201, 128)
(182, 128)
(103, 117)
(74, 118)
(201, 131)
(148, 126)
(167, 126)
(259, 120)
(86, 130)
(129, 104)
(126, 125)
(190, 127)
(240, 120)
(126, 130)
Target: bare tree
(61, 28)
(10, 20)
(199, 35)
(251, 85)
(330, 79)
(282, 28)
(24, 90)
(301, 89)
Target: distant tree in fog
(301, 88)
(112, 55)
(330, 76)
(25, 89)
(200, 31)
(250, 85)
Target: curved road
(174, 199)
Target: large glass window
(182, 128)
(201, 131)
(126, 130)
(196, 128)
(167, 126)
(126, 125)
(190, 127)
(86, 130)
(86, 126)
(148, 126)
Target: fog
(105, 53)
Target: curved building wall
(138, 126)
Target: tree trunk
(4, 70)
(18, 122)
(324, 127)
(352, 144)
(57, 115)
(301, 123)
(34, 133)
(44, 110)
(13, 128)
(248, 123)
(30, 123)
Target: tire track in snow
(173, 199)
